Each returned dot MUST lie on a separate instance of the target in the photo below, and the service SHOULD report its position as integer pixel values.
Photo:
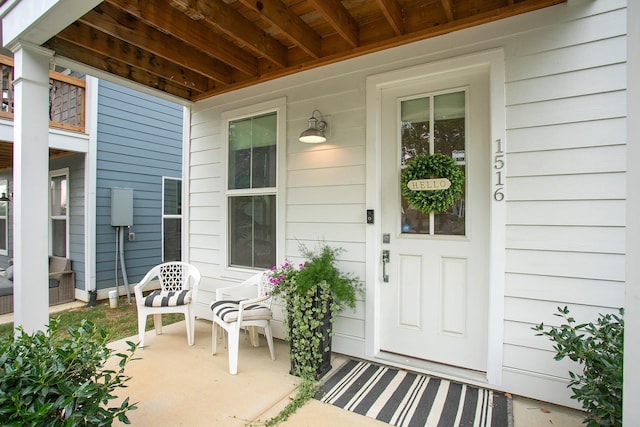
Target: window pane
(415, 140)
(264, 130)
(172, 197)
(172, 227)
(252, 231)
(415, 128)
(240, 154)
(252, 152)
(4, 212)
(59, 234)
(264, 167)
(59, 195)
(172, 239)
(58, 200)
(3, 233)
(449, 136)
(4, 192)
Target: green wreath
(427, 166)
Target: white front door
(434, 298)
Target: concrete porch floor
(178, 385)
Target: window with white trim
(252, 190)
(171, 219)
(59, 212)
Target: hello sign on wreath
(432, 182)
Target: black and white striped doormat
(402, 398)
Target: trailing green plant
(599, 348)
(305, 316)
(306, 390)
(49, 381)
(313, 293)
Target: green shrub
(49, 381)
(598, 347)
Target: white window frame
(170, 216)
(278, 106)
(52, 174)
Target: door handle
(385, 260)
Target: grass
(120, 322)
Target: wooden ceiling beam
(118, 68)
(219, 15)
(392, 11)
(197, 34)
(125, 27)
(340, 19)
(448, 9)
(277, 14)
(119, 50)
(468, 20)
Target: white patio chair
(242, 306)
(177, 294)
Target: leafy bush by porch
(48, 381)
(599, 347)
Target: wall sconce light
(315, 131)
(5, 197)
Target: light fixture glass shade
(314, 134)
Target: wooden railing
(67, 97)
(6, 87)
(66, 102)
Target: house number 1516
(498, 165)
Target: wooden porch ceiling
(6, 155)
(195, 49)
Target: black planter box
(325, 327)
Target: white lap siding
(565, 241)
(565, 204)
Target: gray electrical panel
(121, 207)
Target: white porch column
(631, 388)
(30, 187)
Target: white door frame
(495, 60)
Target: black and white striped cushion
(168, 298)
(227, 310)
